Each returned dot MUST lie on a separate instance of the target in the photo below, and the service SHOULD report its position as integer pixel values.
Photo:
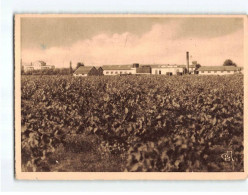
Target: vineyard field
(142, 123)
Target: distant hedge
(56, 71)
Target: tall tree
(197, 66)
(79, 64)
(71, 70)
(22, 69)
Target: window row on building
(117, 72)
(209, 71)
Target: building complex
(38, 65)
(143, 69)
(158, 69)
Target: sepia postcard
(130, 97)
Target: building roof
(158, 65)
(117, 67)
(185, 66)
(168, 66)
(129, 66)
(218, 68)
(144, 69)
(83, 69)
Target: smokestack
(187, 58)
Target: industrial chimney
(187, 59)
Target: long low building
(118, 69)
(218, 70)
(157, 69)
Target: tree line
(50, 71)
(55, 71)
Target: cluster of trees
(55, 71)
(229, 62)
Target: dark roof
(185, 66)
(218, 68)
(117, 67)
(100, 70)
(144, 69)
(83, 69)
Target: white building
(157, 69)
(167, 69)
(118, 69)
(218, 70)
(38, 65)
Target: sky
(126, 40)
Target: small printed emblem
(227, 156)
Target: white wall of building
(217, 72)
(79, 75)
(118, 72)
(164, 70)
(28, 68)
(37, 66)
